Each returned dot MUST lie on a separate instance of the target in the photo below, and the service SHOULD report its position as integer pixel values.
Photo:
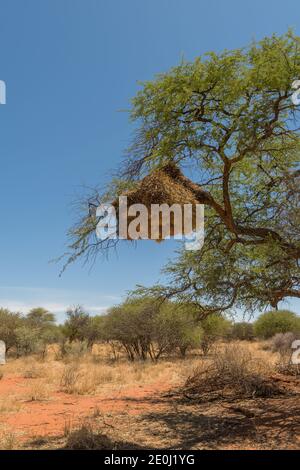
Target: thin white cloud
(54, 291)
(23, 307)
(24, 298)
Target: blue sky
(70, 66)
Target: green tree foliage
(9, 322)
(33, 333)
(214, 327)
(96, 330)
(229, 121)
(80, 326)
(278, 321)
(40, 318)
(27, 340)
(77, 324)
(45, 331)
(42, 324)
(176, 328)
(28, 334)
(131, 325)
(147, 329)
(242, 331)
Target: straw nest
(164, 186)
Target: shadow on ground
(266, 423)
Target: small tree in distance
(9, 322)
(214, 327)
(41, 318)
(278, 321)
(243, 331)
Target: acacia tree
(147, 328)
(80, 326)
(229, 121)
(9, 323)
(77, 325)
(40, 318)
(131, 324)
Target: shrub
(28, 334)
(282, 343)
(147, 329)
(243, 331)
(214, 327)
(9, 322)
(86, 438)
(80, 326)
(131, 324)
(70, 378)
(77, 324)
(74, 350)
(50, 335)
(277, 321)
(38, 391)
(40, 318)
(175, 329)
(82, 380)
(235, 373)
(33, 372)
(27, 340)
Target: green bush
(27, 340)
(9, 322)
(175, 329)
(79, 326)
(243, 331)
(214, 327)
(29, 334)
(40, 318)
(131, 324)
(146, 328)
(277, 321)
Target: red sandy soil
(152, 416)
(50, 417)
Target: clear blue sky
(69, 67)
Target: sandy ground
(51, 417)
(145, 415)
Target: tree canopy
(228, 120)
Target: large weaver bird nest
(163, 186)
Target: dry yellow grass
(8, 440)
(119, 394)
(86, 377)
(9, 404)
(93, 372)
(38, 391)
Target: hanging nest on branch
(163, 186)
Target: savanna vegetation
(142, 328)
(91, 367)
(224, 129)
(228, 120)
